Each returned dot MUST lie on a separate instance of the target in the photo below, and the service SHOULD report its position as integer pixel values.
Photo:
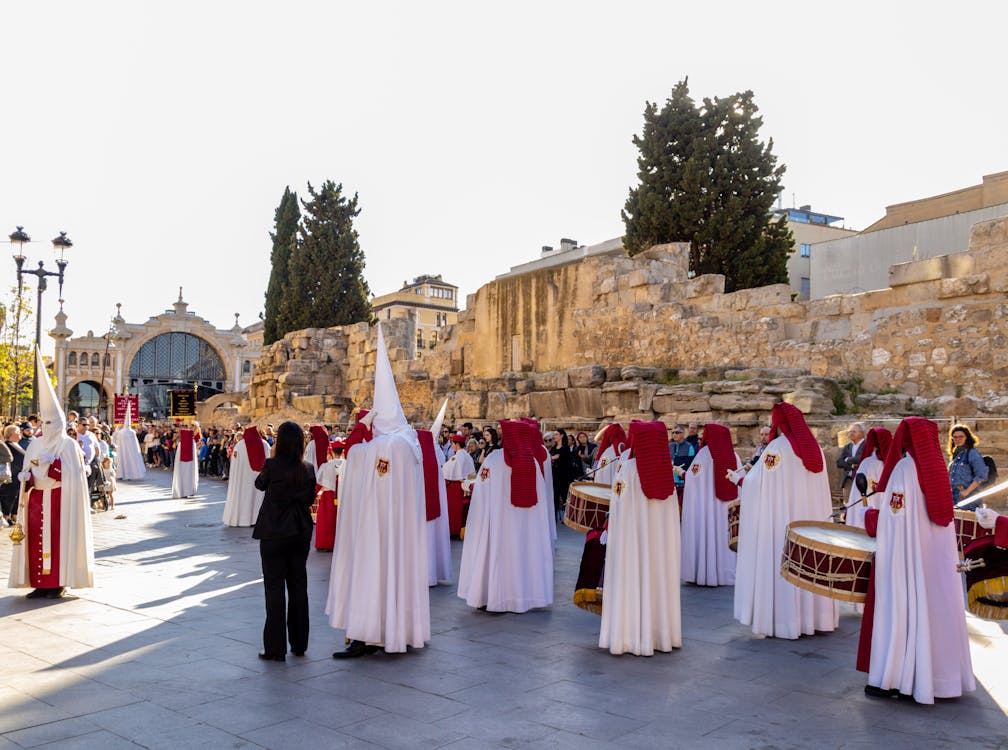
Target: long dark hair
(971, 439)
(289, 443)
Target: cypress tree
(706, 178)
(284, 236)
(327, 286)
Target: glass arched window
(72, 359)
(246, 367)
(83, 397)
(107, 360)
(177, 357)
(94, 359)
(83, 359)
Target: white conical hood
(129, 414)
(50, 411)
(389, 419)
(439, 420)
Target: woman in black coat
(284, 529)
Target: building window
(107, 360)
(72, 359)
(83, 359)
(94, 359)
(419, 290)
(419, 340)
(806, 250)
(806, 287)
(246, 367)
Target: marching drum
(733, 524)
(987, 586)
(967, 529)
(828, 559)
(587, 506)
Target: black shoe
(298, 653)
(877, 692)
(272, 657)
(354, 650)
(37, 594)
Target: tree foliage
(17, 354)
(284, 237)
(707, 179)
(323, 283)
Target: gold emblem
(872, 484)
(605, 461)
(896, 502)
(695, 468)
(771, 460)
(618, 488)
(484, 473)
(382, 466)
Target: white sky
(161, 136)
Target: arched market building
(175, 349)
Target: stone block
(612, 373)
(809, 402)
(583, 402)
(668, 400)
(548, 404)
(549, 381)
(470, 403)
(636, 372)
(588, 376)
(647, 392)
(619, 398)
(496, 407)
(517, 406)
(741, 402)
(931, 269)
(733, 386)
(966, 286)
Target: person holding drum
(913, 633)
(641, 613)
(611, 441)
(876, 446)
(788, 484)
(706, 558)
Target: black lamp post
(60, 245)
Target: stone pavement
(162, 653)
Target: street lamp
(18, 239)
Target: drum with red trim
(967, 529)
(734, 508)
(987, 586)
(587, 506)
(829, 559)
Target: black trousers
(285, 564)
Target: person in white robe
(914, 626)
(55, 513)
(129, 460)
(706, 558)
(439, 564)
(378, 580)
(241, 507)
(641, 610)
(185, 470)
(327, 478)
(457, 469)
(316, 451)
(788, 483)
(876, 446)
(610, 445)
(507, 554)
(542, 457)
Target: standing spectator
(11, 456)
(850, 456)
(473, 449)
(693, 436)
(585, 450)
(682, 453)
(284, 529)
(764, 436)
(967, 470)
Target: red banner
(119, 416)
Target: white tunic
(871, 467)
(328, 473)
(606, 466)
(185, 475)
(378, 580)
(778, 490)
(243, 499)
(507, 555)
(641, 612)
(919, 640)
(439, 564)
(76, 540)
(129, 459)
(706, 558)
(458, 467)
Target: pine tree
(707, 179)
(326, 284)
(284, 237)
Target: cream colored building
(916, 230)
(429, 301)
(807, 227)
(174, 349)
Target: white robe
(919, 641)
(871, 467)
(439, 563)
(243, 499)
(185, 476)
(459, 467)
(507, 555)
(76, 539)
(606, 466)
(378, 580)
(547, 496)
(129, 459)
(641, 612)
(706, 558)
(309, 455)
(328, 473)
(777, 491)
